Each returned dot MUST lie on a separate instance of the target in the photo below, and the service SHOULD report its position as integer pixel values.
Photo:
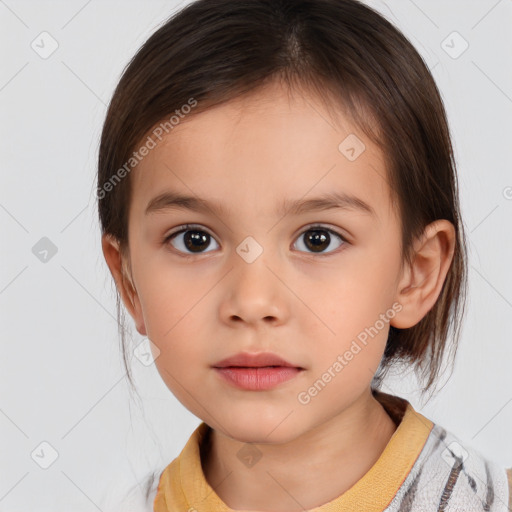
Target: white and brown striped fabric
(450, 476)
(424, 468)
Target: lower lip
(258, 379)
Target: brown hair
(355, 61)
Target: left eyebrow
(330, 201)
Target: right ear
(119, 268)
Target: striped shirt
(423, 468)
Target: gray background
(61, 378)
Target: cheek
(355, 308)
(358, 290)
(174, 317)
(174, 326)
(346, 362)
(168, 299)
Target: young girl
(279, 209)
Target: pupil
(196, 240)
(317, 238)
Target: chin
(258, 429)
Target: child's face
(307, 307)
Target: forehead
(255, 150)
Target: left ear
(422, 279)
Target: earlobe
(423, 278)
(120, 272)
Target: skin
(307, 307)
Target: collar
(183, 486)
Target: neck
(307, 472)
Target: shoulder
(452, 475)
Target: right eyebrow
(174, 200)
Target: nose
(255, 294)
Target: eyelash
(195, 227)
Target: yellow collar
(183, 486)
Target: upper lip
(246, 359)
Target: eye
(318, 238)
(194, 240)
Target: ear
(421, 280)
(121, 273)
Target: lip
(256, 372)
(258, 378)
(259, 360)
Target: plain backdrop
(64, 399)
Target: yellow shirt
(390, 483)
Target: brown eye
(193, 241)
(317, 238)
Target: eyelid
(185, 227)
(321, 227)
(326, 227)
(182, 229)
(303, 229)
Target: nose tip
(254, 294)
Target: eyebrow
(334, 200)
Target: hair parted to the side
(353, 60)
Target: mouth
(269, 366)
(257, 378)
(255, 360)
(256, 371)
